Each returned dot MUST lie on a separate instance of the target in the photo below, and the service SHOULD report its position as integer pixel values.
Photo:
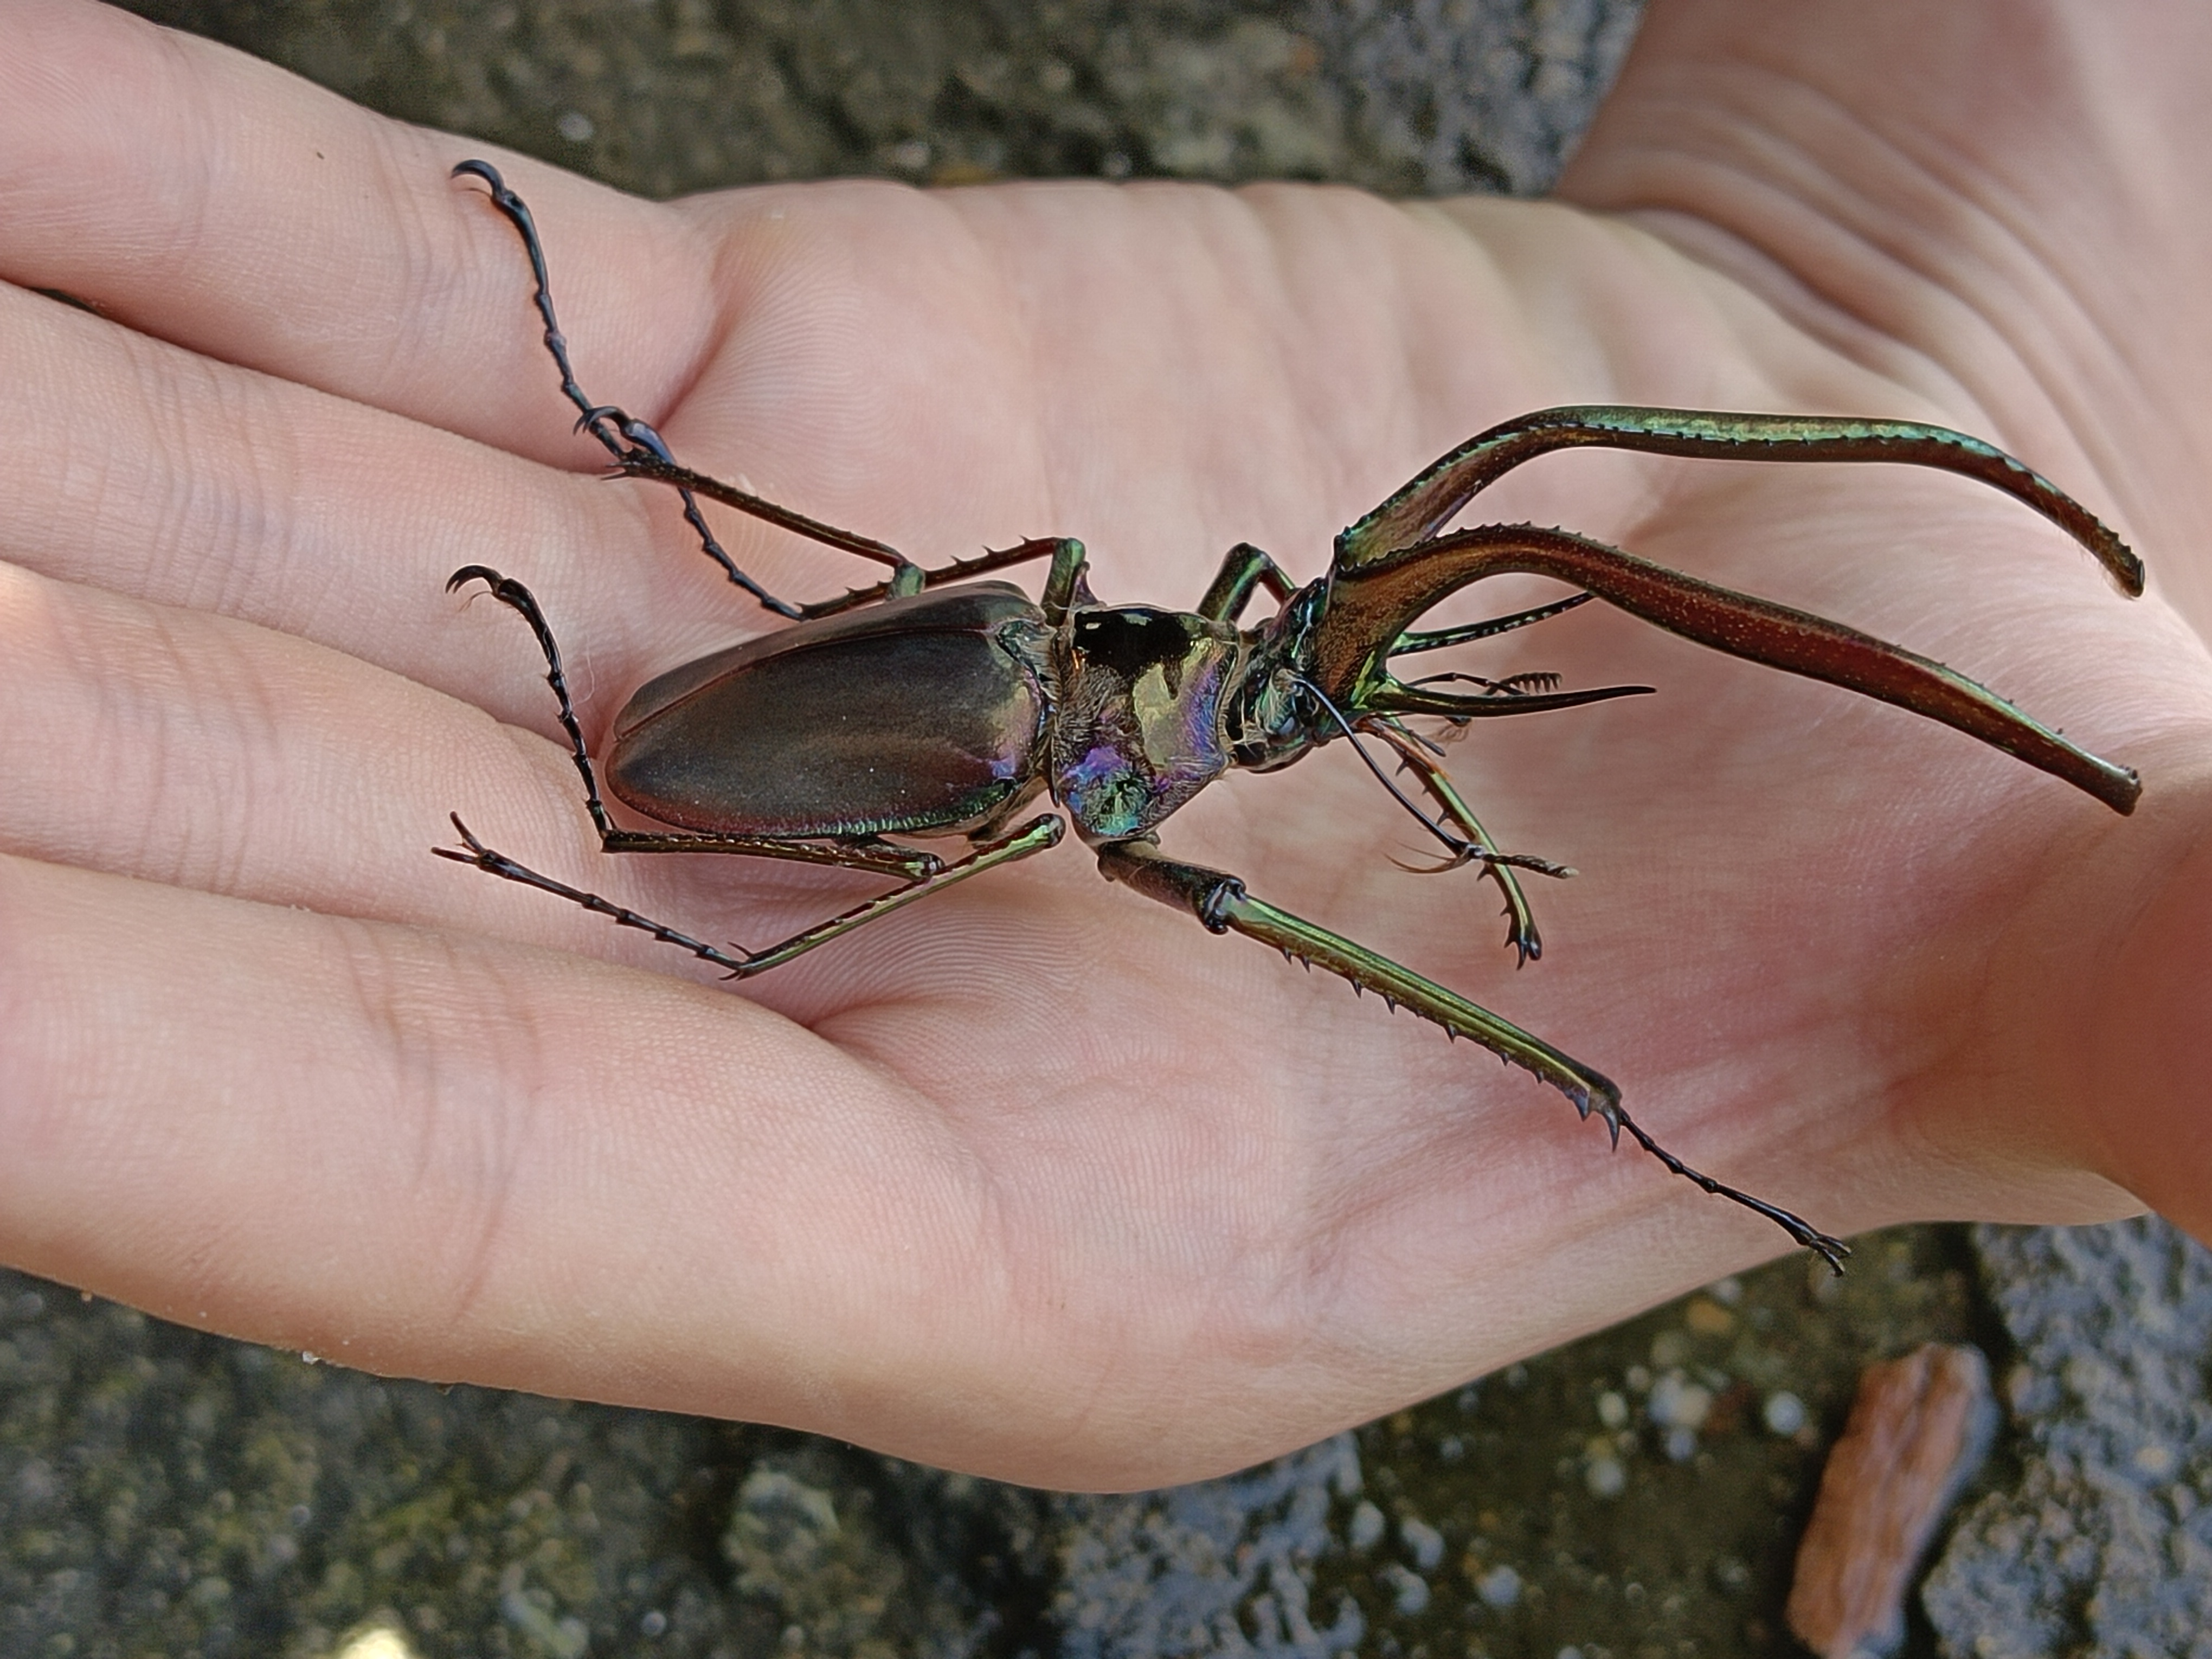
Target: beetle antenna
(1455, 845)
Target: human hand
(1034, 1179)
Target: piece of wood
(1918, 1429)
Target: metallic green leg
(1244, 570)
(1439, 639)
(1426, 504)
(1521, 930)
(1220, 901)
(1032, 837)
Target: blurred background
(1639, 1494)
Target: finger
(450, 1159)
(429, 1155)
(177, 747)
(175, 479)
(221, 202)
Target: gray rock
(1473, 94)
(2103, 1549)
(1222, 1567)
(1432, 99)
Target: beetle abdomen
(919, 720)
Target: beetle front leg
(1033, 836)
(1221, 905)
(1521, 920)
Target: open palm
(1033, 1178)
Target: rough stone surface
(669, 96)
(1472, 94)
(1919, 1428)
(1222, 1567)
(167, 1492)
(2102, 1549)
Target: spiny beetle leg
(594, 419)
(520, 600)
(876, 855)
(1033, 836)
(622, 436)
(1220, 901)
(906, 577)
(1426, 504)
(1521, 931)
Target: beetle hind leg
(1221, 905)
(1033, 836)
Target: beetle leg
(1520, 922)
(1395, 696)
(1032, 837)
(1422, 506)
(623, 437)
(879, 855)
(906, 577)
(1244, 570)
(1221, 905)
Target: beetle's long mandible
(1377, 601)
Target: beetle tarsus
(1830, 1249)
(520, 600)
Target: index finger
(204, 197)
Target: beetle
(938, 703)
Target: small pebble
(1499, 1587)
(1605, 1476)
(1367, 1527)
(1612, 1410)
(1918, 1428)
(1708, 1318)
(1677, 1402)
(1680, 1444)
(1783, 1414)
(577, 127)
(2155, 1460)
(1426, 1543)
(1412, 1590)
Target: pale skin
(1036, 1179)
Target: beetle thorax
(1136, 725)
